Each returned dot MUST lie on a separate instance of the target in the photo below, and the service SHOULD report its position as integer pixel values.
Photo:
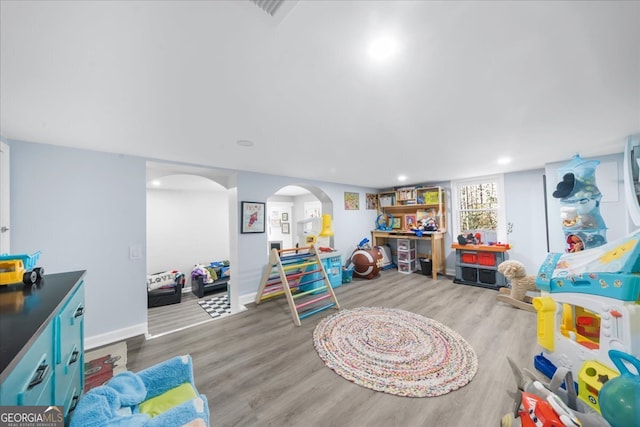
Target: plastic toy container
(486, 258)
(469, 274)
(468, 257)
(347, 275)
(487, 276)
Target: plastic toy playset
(588, 319)
(589, 313)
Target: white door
(4, 198)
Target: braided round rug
(395, 351)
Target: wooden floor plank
(172, 317)
(258, 369)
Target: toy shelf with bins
(407, 260)
(414, 201)
(477, 265)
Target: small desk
(437, 245)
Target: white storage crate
(406, 255)
(407, 267)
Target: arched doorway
(187, 224)
(293, 211)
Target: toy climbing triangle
(299, 275)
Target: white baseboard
(115, 336)
(248, 298)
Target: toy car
(20, 269)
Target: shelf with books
(421, 203)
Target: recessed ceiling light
(244, 143)
(402, 178)
(504, 160)
(155, 183)
(383, 48)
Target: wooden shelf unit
(414, 201)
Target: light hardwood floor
(167, 318)
(258, 369)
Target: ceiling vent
(276, 10)
(269, 6)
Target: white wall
(275, 233)
(524, 194)
(185, 228)
(84, 210)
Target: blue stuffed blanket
(116, 402)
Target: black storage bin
(427, 266)
(469, 274)
(487, 276)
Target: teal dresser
(42, 342)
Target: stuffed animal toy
(565, 187)
(514, 272)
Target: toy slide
(609, 270)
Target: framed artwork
(351, 201)
(252, 219)
(285, 217)
(275, 222)
(285, 228)
(372, 201)
(395, 223)
(410, 221)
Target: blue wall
(84, 210)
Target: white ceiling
(184, 80)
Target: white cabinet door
(4, 198)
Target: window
(478, 206)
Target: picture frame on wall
(285, 228)
(285, 217)
(372, 201)
(351, 201)
(252, 217)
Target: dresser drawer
(69, 328)
(68, 375)
(70, 399)
(30, 382)
(69, 325)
